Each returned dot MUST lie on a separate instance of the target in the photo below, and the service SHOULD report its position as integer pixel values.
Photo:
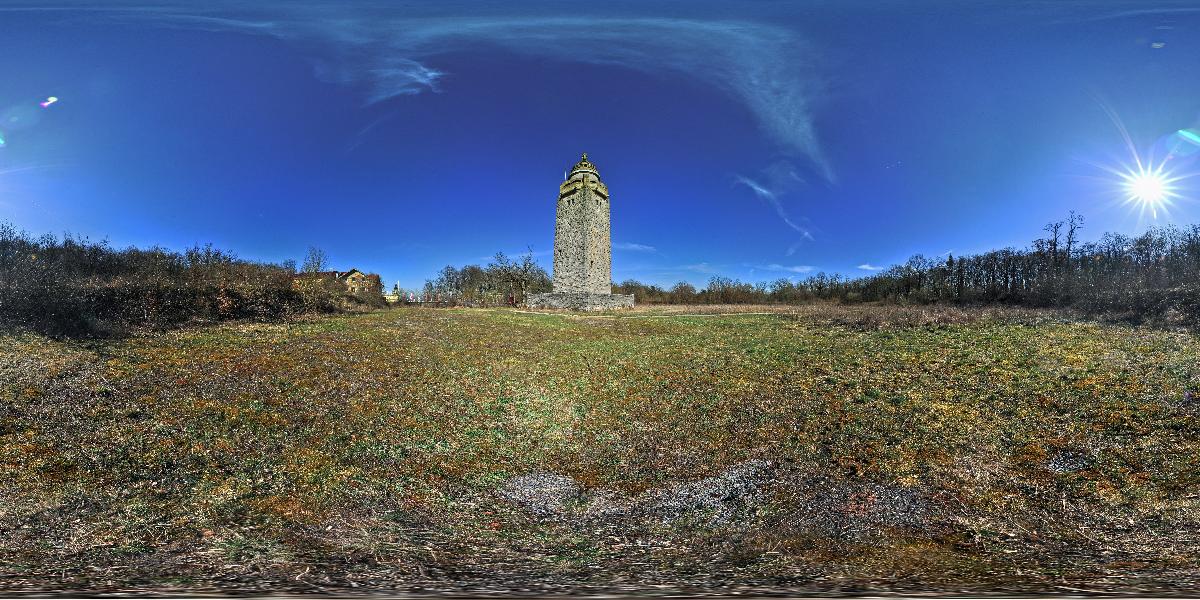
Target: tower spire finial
(584, 165)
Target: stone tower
(582, 245)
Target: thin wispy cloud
(869, 267)
(771, 70)
(757, 187)
(1147, 12)
(771, 197)
(788, 268)
(702, 267)
(362, 134)
(632, 247)
(518, 254)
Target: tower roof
(584, 165)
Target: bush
(1181, 305)
(75, 287)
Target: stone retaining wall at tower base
(580, 301)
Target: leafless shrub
(76, 287)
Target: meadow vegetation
(1146, 279)
(1149, 278)
(73, 286)
(826, 448)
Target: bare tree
(1054, 230)
(1074, 224)
(529, 276)
(683, 293)
(315, 261)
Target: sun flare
(1149, 187)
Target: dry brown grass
(858, 316)
(913, 446)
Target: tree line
(504, 280)
(76, 287)
(1154, 274)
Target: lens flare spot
(1189, 139)
(1183, 144)
(49, 101)
(20, 117)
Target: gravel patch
(856, 510)
(717, 500)
(608, 505)
(1067, 461)
(543, 494)
(846, 510)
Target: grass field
(821, 448)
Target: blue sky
(755, 140)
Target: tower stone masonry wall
(582, 245)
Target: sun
(1148, 187)
(1152, 188)
(1148, 183)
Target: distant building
(355, 281)
(582, 246)
(358, 282)
(395, 295)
